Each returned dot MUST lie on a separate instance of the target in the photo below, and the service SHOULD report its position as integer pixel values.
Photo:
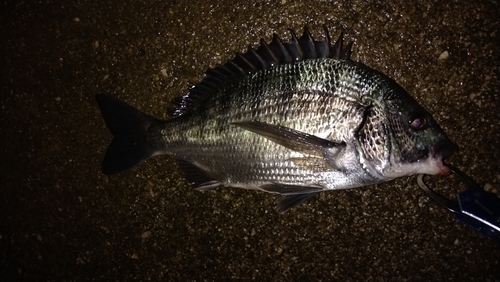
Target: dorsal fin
(264, 57)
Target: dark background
(61, 219)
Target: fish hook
(474, 207)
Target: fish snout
(444, 149)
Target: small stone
(445, 55)
(490, 188)
(146, 234)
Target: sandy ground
(61, 219)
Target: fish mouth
(441, 151)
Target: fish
(292, 118)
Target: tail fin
(130, 127)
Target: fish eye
(418, 122)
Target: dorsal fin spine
(294, 48)
(232, 66)
(246, 65)
(346, 52)
(280, 49)
(253, 56)
(264, 57)
(307, 44)
(267, 53)
(216, 72)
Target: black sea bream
(293, 119)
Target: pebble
(445, 55)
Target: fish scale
(293, 118)
(244, 152)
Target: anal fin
(291, 201)
(199, 177)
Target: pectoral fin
(290, 138)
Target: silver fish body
(292, 118)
